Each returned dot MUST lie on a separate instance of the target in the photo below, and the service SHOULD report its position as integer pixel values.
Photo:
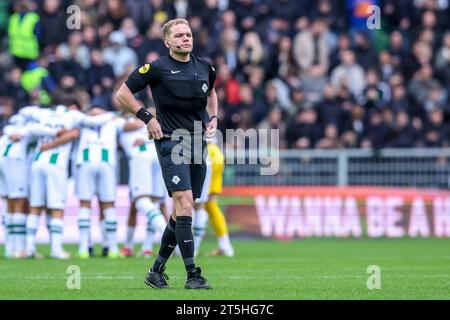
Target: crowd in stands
(311, 68)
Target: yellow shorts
(218, 165)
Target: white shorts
(48, 186)
(205, 190)
(146, 177)
(14, 178)
(96, 178)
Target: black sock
(185, 239)
(168, 244)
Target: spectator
(443, 55)
(258, 108)
(24, 33)
(225, 79)
(397, 49)
(75, 50)
(69, 90)
(282, 60)
(377, 132)
(304, 131)
(314, 81)
(90, 38)
(298, 101)
(152, 42)
(404, 135)
(162, 11)
(53, 25)
(436, 133)
(354, 127)
(37, 80)
(140, 12)
(13, 89)
(400, 101)
(365, 54)
(132, 35)
(421, 84)
(251, 52)
(104, 31)
(255, 80)
(274, 120)
(228, 47)
(210, 15)
(118, 54)
(349, 74)
(330, 139)
(245, 11)
(344, 43)
(383, 89)
(115, 12)
(310, 46)
(89, 13)
(271, 96)
(66, 65)
(442, 61)
(386, 65)
(330, 108)
(435, 99)
(100, 74)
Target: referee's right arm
(127, 100)
(137, 81)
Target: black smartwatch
(144, 115)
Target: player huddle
(35, 151)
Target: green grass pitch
(262, 269)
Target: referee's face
(180, 39)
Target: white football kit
(145, 177)
(97, 157)
(14, 168)
(49, 168)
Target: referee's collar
(190, 58)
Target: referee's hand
(211, 130)
(154, 129)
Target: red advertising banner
(289, 212)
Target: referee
(182, 87)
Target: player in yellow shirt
(215, 214)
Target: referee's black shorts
(188, 175)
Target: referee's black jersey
(179, 89)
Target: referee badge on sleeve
(144, 68)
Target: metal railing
(426, 168)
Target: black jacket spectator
(53, 25)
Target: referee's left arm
(213, 104)
(212, 107)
